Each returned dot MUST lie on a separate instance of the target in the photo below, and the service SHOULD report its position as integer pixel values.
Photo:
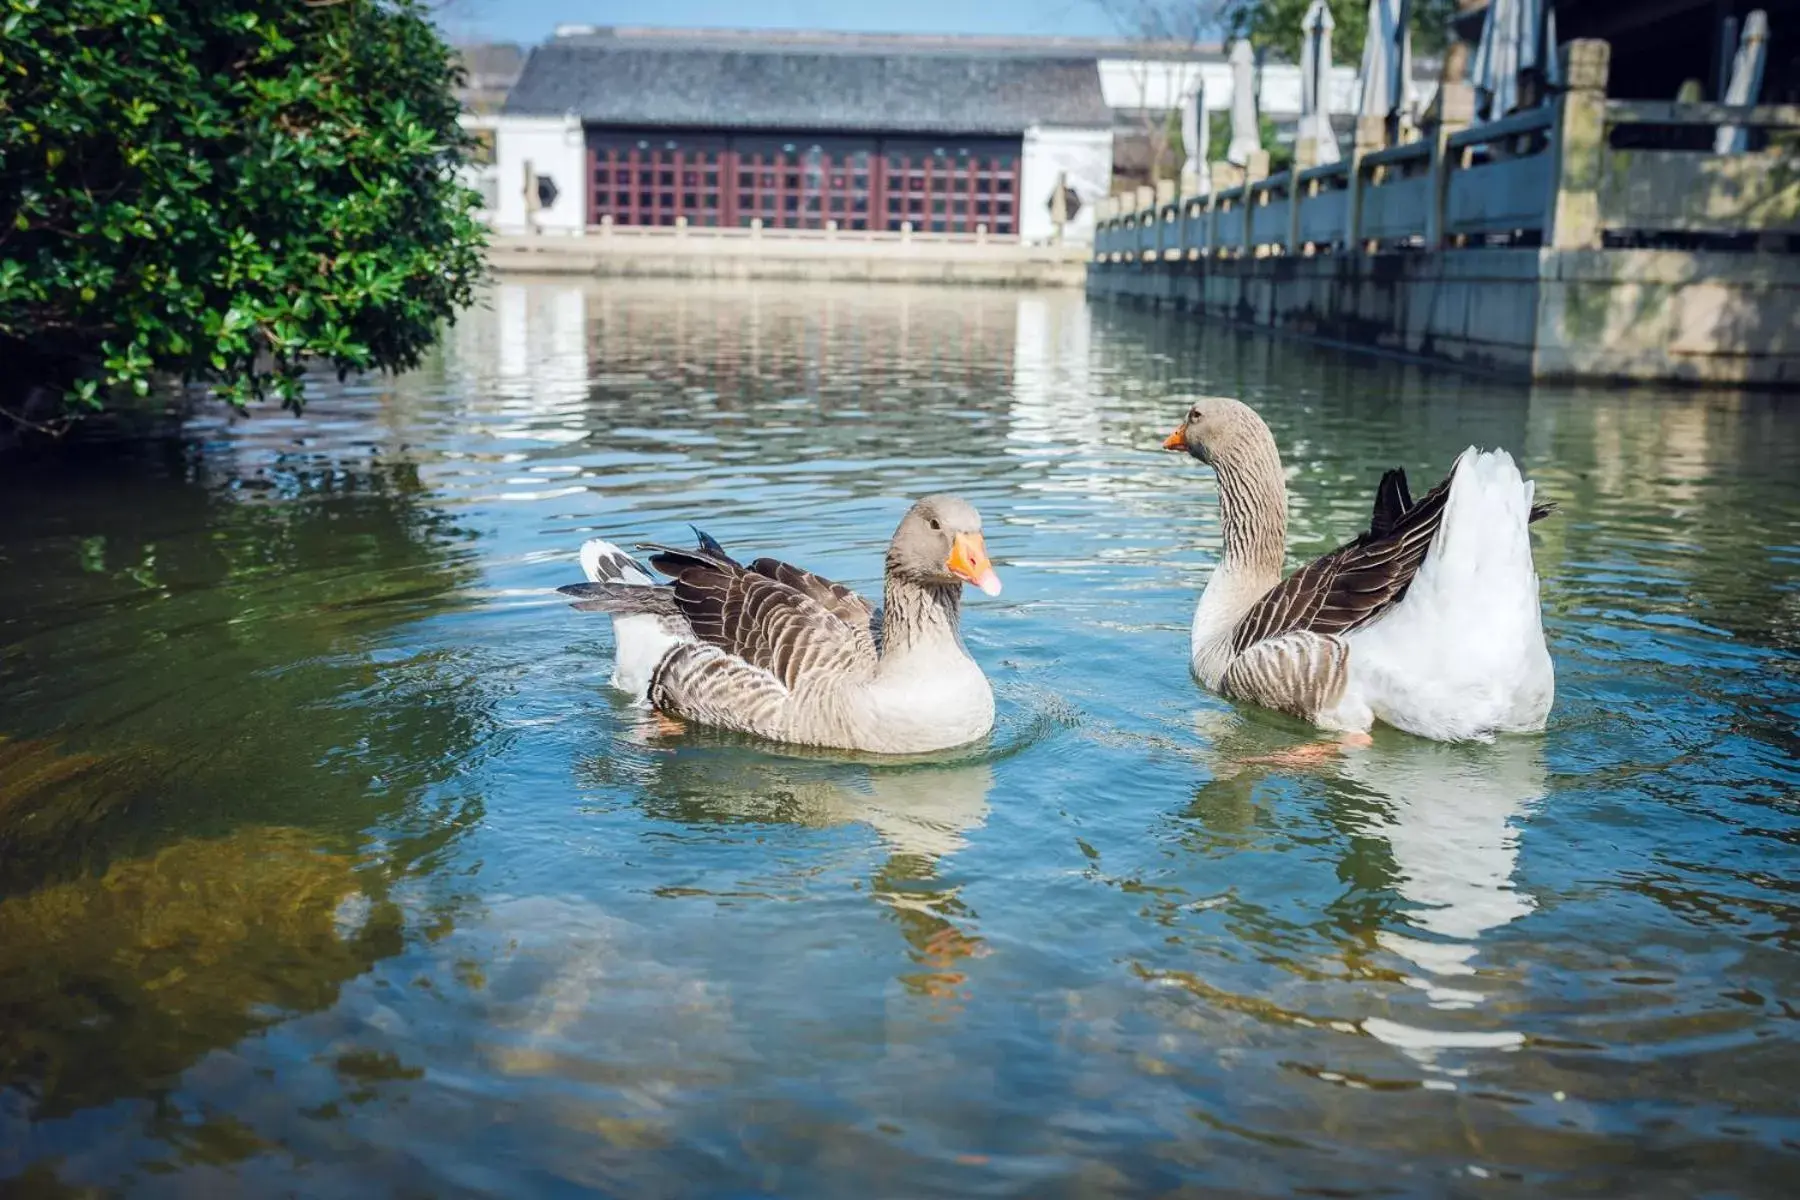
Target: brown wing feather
(1352, 585)
(1392, 499)
(834, 598)
(762, 621)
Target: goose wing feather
(762, 621)
(1354, 584)
(1392, 499)
(1298, 673)
(1359, 581)
(836, 599)
(708, 684)
(621, 599)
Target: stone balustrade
(1567, 176)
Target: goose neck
(1253, 514)
(920, 619)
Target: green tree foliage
(223, 190)
(1274, 25)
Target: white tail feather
(640, 640)
(1463, 655)
(603, 562)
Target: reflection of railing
(1556, 176)
(755, 231)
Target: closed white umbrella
(1746, 81)
(1246, 135)
(1196, 131)
(1518, 36)
(1386, 60)
(1315, 79)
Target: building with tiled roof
(870, 132)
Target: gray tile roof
(813, 88)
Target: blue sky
(531, 21)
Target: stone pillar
(1371, 134)
(1578, 146)
(755, 228)
(1165, 196)
(1306, 156)
(1297, 194)
(1456, 111)
(1255, 171)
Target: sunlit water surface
(329, 865)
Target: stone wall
(1622, 315)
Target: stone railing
(1573, 175)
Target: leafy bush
(1276, 25)
(221, 190)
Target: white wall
(1131, 83)
(1084, 156)
(552, 146)
(482, 177)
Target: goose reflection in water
(922, 813)
(1449, 816)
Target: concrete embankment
(672, 254)
(1597, 315)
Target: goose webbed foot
(1310, 754)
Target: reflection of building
(646, 127)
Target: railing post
(1165, 196)
(1295, 190)
(1224, 176)
(1255, 171)
(1578, 146)
(1145, 201)
(1306, 156)
(755, 228)
(1456, 109)
(1371, 134)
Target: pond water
(329, 865)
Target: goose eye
(934, 524)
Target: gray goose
(1428, 622)
(774, 650)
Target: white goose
(1428, 622)
(774, 650)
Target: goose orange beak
(1176, 440)
(968, 561)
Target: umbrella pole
(1401, 69)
